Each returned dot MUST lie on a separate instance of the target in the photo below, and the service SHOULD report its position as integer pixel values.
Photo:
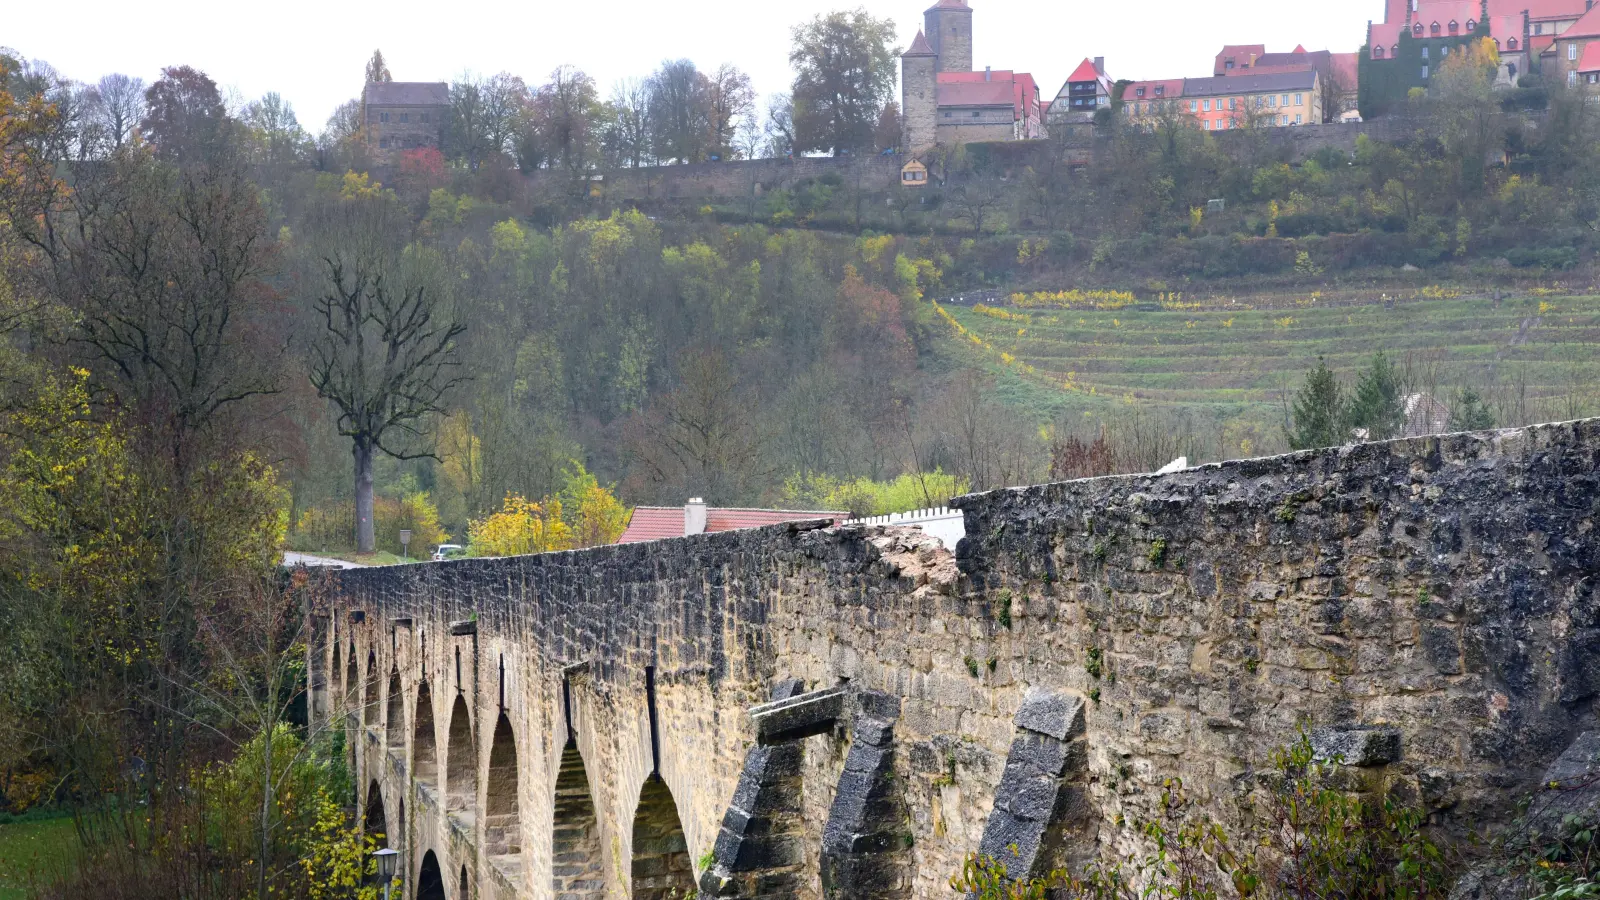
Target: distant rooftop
(407, 93)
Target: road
(305, 559)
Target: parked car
(448, 551)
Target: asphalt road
(292, 559)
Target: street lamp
(386, 862)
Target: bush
(1543, 257)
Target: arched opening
(462, 892)
(502, 823)
(424, 746)
(397, 713)
(461, 760)
(577, 864)
(335, 681)
(369, 703)
(352, 682)
(430, 881)
(661, 866)
(374, 823)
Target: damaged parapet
(866, 845)
(1042, 819)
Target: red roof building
(992, 105)
(1087, 90)
(654, 523)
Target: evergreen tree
(1470, 412)
(1377, 405)
(1319, 411)
(377, 69)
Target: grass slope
(34, 849)
(1232, 362)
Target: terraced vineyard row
(1235, 363)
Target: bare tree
(386, 358)
(120, 107)
(732, 101)
(780, 124)
(625, 137)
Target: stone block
(1047, 712)
(1357, 745)
(799, 717)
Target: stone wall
(1430, 601)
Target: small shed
(914, 174)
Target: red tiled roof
(920, 47)
(1386, 35)
(1504, 28)
(1586, 27)
(1591, 57)
(654, 523)
(998, 87)
(1085, 72)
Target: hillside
(1229, 365)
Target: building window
(1206, 105)
(1161, 90)
(1228, 64)
(383, 117)
(1424, 52)
(1377, 53)
(1434, 29)
(1454, 28)
(1572, 52)
(1538, 28)
(383, 144)
(1572, 79)
(1298, 120)
(976, 114)
(424, 118)
(1138, 92)
(1395, 50)
(1443, 52)
(405, 117)
(1416, 30)
(1299, 99)
(1285, 100)
(1424, 73)
(1471, 25)
(1511, 44)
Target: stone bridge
(802, 712)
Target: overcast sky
(313, 52)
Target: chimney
(988, 73)
(694, 517)
(1100, 65)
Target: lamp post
(386, 862)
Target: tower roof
(950, 4)
(919, 47)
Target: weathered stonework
(1431, 602)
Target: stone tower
(949, 30)
(919, 95)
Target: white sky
(313, 52)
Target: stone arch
(397, 713)
(577, 864)
(502, 819)
(369, 702)
(661, 866)
(430, 880)
(461, 760)
(335, 678)
(374, 823)
(424, 744)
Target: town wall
(1438, 593)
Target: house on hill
(1086, 91)
(403, 115)
(1574, 56)
(945, 102)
